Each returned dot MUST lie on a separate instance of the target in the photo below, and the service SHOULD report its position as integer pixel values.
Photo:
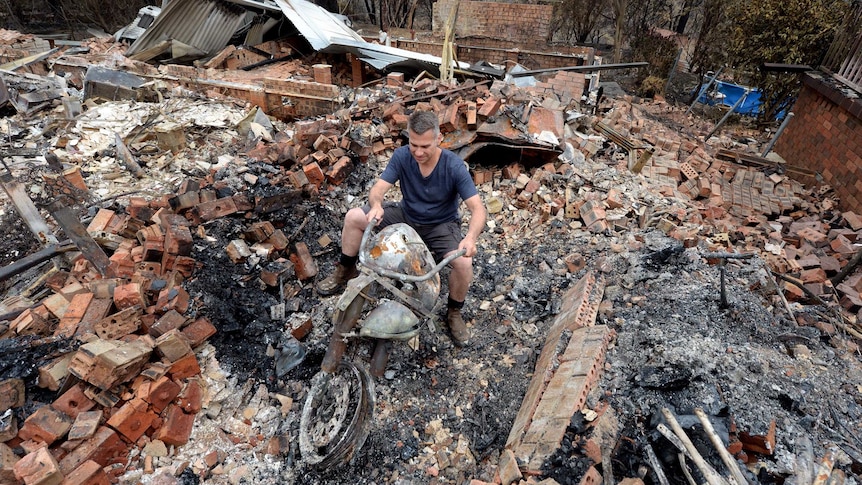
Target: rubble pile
(622, 253)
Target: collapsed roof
(196, 29)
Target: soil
(746, 365)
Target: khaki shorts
(441, 239)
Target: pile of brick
(134, 380)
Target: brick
(178, 240)
(177, 426)
(489, 107)
(303, 263)
(172, 345)
(85, 425)
(186, 367)
(38, 468)
(185, 201)
(314, 174)
(73, 402)
(853, 220)
(46, 424)
(56, 304)
(169, 321)
(89, 473)
(53, 374)
(508, 468)
(160, 393)
(101, 448)
(814, 275)
(8, 458)
(191, 397)
(118, 325)
(129, 295)
(259, 231)
(199, 331)
(175, 298)
(339, 170)
(100, 221)
(216, 209)
(132, 420)
(278, 240)
(12, 394)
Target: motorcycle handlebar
(394, 274)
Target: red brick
(89, 473)
(490, 107)
(186, 367)
(132, 420)
(176, 298)
(129, 295)
(178, 240)
(160, 393)
(191, 396)
(814, 275)
(100, 221)
(314, 174)
(101, 448)
(176, 428)
(73, 401)
(199, 331)
(38, 468)
(47, 425)
(304, 265)
(169, 321)
(339, 170)
(216, 209)
(85, 425)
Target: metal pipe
(708, 85)
(726, 116)
(598, 67)
(777, 134)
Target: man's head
(422, 121)
(423, 128)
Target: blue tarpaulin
(728, 94)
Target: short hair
(422, 121)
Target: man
(433, 182)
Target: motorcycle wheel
(336, 415)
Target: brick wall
(500, 52)
(825, 136)
(521, 24)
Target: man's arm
(375, 199)
(476, 226)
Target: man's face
(423, 146)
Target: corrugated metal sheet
(206, 25)
(327, 33)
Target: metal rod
(708, 85)
(777, 134)
(727, 115)
(597, 67)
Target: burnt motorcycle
(400, 284)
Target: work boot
(457, 327)
(336, 282)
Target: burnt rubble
(193, 350)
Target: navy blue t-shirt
(433, 199)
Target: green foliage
(779, 31)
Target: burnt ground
(675, 347)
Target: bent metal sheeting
(326, 33)
(208, 26)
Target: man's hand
(376, 212)
(469, 245)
